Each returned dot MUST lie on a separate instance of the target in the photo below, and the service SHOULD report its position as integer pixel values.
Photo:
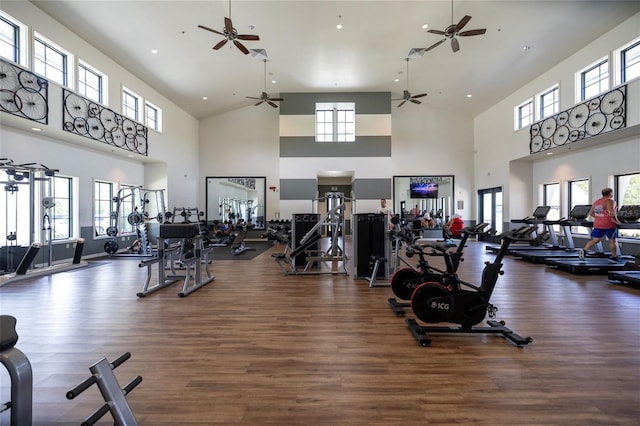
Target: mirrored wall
(431, 196)
(237, 199)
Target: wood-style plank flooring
(258, 348)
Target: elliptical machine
(433, 302)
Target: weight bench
(304, 248)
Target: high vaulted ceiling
(307, 53)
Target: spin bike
(406, 280)
(433, 302)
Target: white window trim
(140, 109)
(148, 104)
(578, 77)
(23, 39)
(617, 62)
(516, 114)
(70, 65)
(105, 80)
(334, 106)
(537, 112)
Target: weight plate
(111, 247)
(112, 231)
(134, 218)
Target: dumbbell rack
(114, 397)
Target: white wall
(497, 145)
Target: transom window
(594, 80)
(550, 102)
(152, 116)
(630, 58)
(51, 61)
(524, 114)
(335, 122)
(130, 104)
(91, 82)
(9, 39)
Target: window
(579, 195)
(9, 40)
(628, 193)
(60, 215)
(630, 58)
(91, 83)
(152, 116)
(549, 102)
(102, 195)
(551, 198)
(524, 114)
(490, 208)
(335, 122)
(594, 80)
(130, 104)
(13, 39)
(51, 61)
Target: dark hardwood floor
(255, 347)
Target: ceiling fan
(231, 34)
(264, 96)
(453, 31)
(407, 96)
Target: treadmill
(629, 216)
(537, 218)
(577, 216)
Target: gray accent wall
(306, 146)
(372, 189)
(298, 189)
(305, 103)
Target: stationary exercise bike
(406, 280)
(434, 302)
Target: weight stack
(301, 224)
(370, 238)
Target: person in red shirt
(453, 227)
(605, 221)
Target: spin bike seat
(8, 335)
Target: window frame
(623, 65)
(335, 122)
(99, 218)
(58, 202)
(20, 39)
(126, 107)
(66, 59)
(543, 107)
(156, 122)
(578, 230)
(633, 234)
(84, 68)
(603, 82)
(518, 116)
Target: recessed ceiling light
(525, 48)
(204, 98)
(130, 155)
(273, 81)
(396, 80)
(36, 129)
(339, 26)
(154, 51)
(425, 26)
(549, 153)
(469, 95)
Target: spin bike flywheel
(432, 302)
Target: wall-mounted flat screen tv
(422, 188)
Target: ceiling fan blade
(464, 21)
(455, 46)
(210, 29)
(258, 103)
(277, 99)
(247, 37)
(219, 45)
(228, 25)
(437, 32)
(251, 97)
(435, 45)
(421, 95)
(473, 32)
(241, 47)
(272, 104)
(415, 101)
(401, 103)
